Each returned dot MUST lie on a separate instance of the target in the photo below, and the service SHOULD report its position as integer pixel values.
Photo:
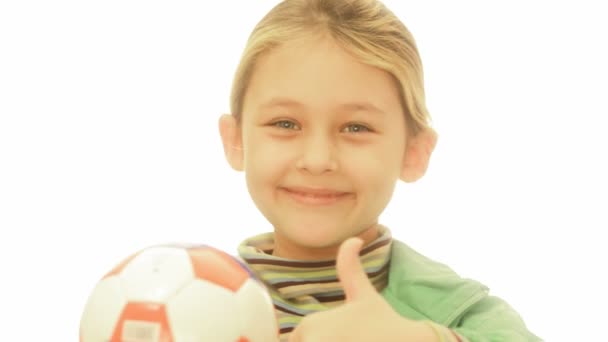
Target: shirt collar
(295, 279)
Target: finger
(296, 334)
(294, 337)
(351, 274)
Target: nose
(317, 155)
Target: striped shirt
(299, 288)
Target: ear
(417, 155)
(230, 131)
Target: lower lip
(315, 200)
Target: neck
(285, 248)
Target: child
(328, 113)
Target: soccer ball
(178, 293)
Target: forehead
(317, 73)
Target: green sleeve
(493, 320)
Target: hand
(365, 315)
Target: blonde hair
(365, 28)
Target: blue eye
(285, 124)
(357, 128)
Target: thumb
(352, 277)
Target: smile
(315, 196)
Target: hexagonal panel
(102, 310)
(156, 274)
(256, 312)
(204, 311)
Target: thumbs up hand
(365, 316)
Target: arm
(492, 319)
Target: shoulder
(404, 257)
(421, 288)
(429, 287)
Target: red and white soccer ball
(179, 294)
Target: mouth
(315, 196)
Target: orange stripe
(217, 267)
(145, 312)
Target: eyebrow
(349, 106)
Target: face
(323, 139)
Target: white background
(109, 143)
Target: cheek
(376, 185)
(376, 178)
(375, 173)
(382, 161)
(264, 160)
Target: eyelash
(360, 126)
(282, 123)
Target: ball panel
(204, 311)
(168, 266)
(102, 310)
(217, 267)
(255, 305)
(118, 268)
(142, 322)
(177, 293)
